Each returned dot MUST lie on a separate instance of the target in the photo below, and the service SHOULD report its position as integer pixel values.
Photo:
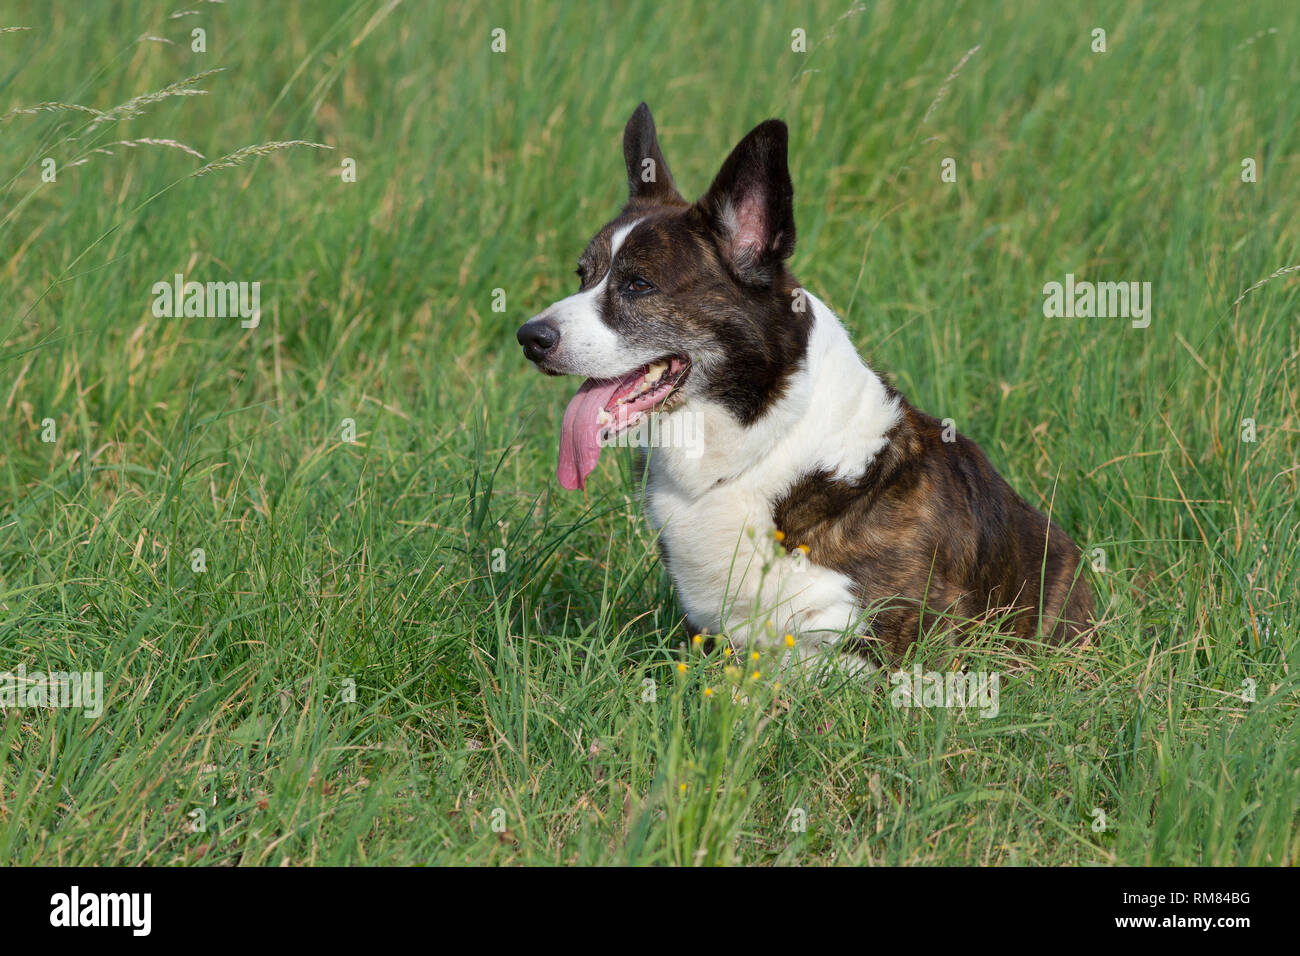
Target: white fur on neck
(712, 503)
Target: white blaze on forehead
(616, 242)
(587, 345)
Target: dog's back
(932, 530)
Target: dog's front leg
(741, 582)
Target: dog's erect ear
(750, 205)
(647, 171)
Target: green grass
(518, 697)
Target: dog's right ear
(648, 177)
(751, 204)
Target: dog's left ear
(647, 171)
(750, 205)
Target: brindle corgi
(816, 501)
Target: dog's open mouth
(605, 407)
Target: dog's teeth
(654, 371)
(604, 418)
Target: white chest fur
(712, 503)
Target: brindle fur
(932, 529)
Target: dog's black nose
(537, 337)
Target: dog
(818, 507)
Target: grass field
(414, 647)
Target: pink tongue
(580, 433)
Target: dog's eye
(582, 279)
(637, 285)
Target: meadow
(343, 611)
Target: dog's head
(678, 303)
